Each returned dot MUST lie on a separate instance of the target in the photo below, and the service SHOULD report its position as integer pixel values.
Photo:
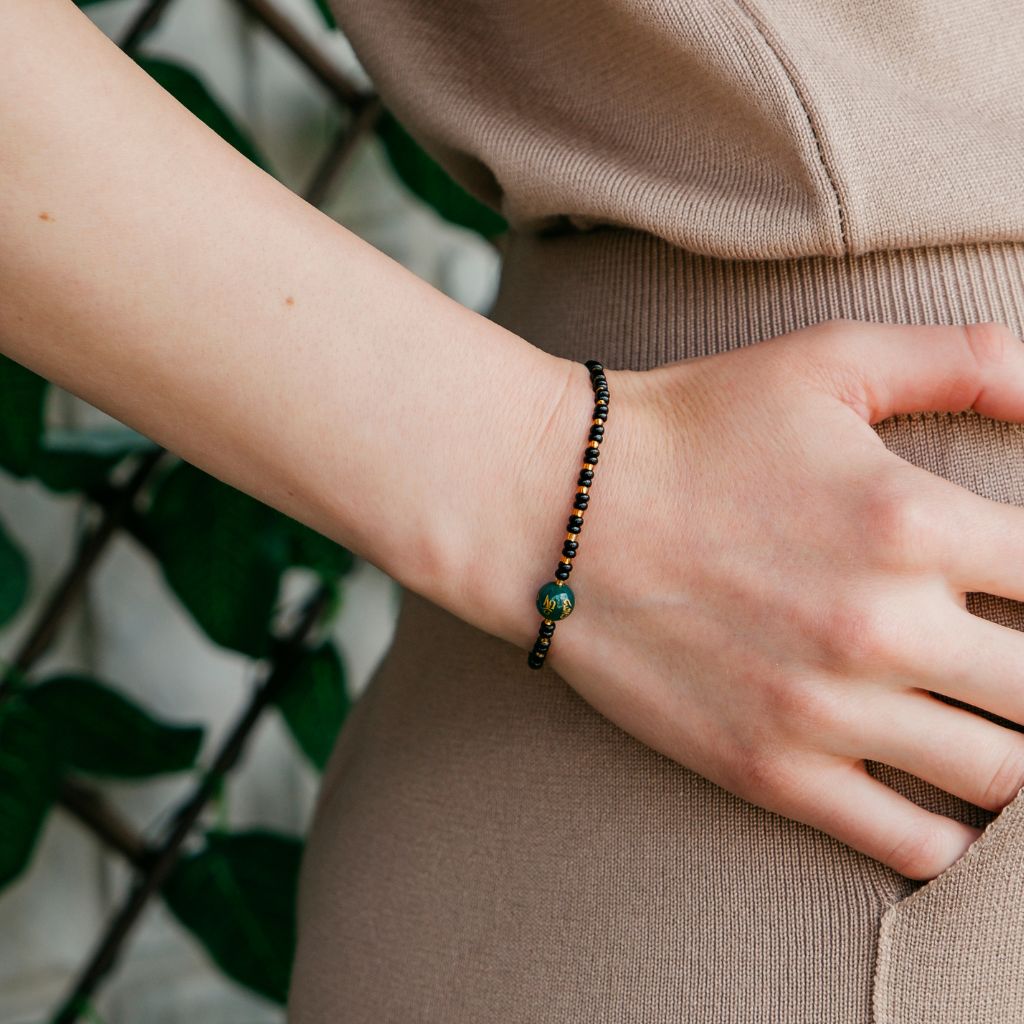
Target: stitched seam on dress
(882, 978)
(800, 91)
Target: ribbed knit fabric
(488, 849)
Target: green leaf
(29, 770)
(22, 400)
(315, 702)
(237, 896)
(67, 471)
(14, 577)
(222, 554)
(326, 13)
(79, 460)
(432, 183)
(315, 551)
(188, 89)
(103, 733)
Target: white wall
(131, 631)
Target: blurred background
(175, 658)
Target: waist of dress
(634, 300)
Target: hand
(766, 593)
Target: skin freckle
(45, 216)
(289, 301)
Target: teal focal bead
(555, 601)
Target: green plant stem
(167, 852)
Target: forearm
(150, 269)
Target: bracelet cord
(555, 599)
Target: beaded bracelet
(555, 600)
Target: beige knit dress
(682, 177)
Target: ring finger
(957, 750)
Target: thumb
(881, 369)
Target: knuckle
(825, 339)
(857, 634)
(825, 355)
(988, 343)
(761, 774)
(804, 706)
(1007, 779)
(919, 853)
(899, 526)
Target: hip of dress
(488, 848)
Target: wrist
(542, 480)
(486, 471)
(506, 564)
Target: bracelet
(555, 600)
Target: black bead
(576, 520)
(568, 554)
(593, 365)
(562, 574)
(572, 545)
(580, 502)
(600, 412)
(573, 529)
(534, 660)
(541, 644)
(591, 457)
(587, 473)
(597, 428)
(594, 436)
(547, 629)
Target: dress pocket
(952, 951)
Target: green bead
(555, 601)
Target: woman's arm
(192, 296)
